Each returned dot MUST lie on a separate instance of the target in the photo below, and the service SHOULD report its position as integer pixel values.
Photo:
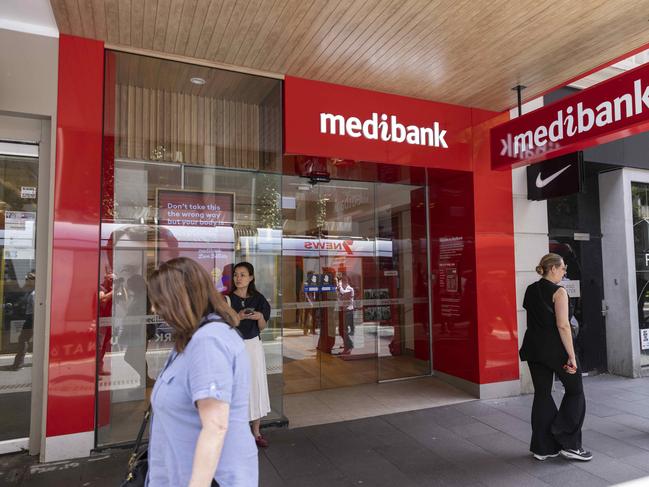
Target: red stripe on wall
(75, 252)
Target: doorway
(18, 202)
(354, 286)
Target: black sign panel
(560, 176)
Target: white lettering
(604, 114)
(383, 127)
(371, 127)
(617, 106)
(354, 126)
(439, 136)
(641, 98)
(523, 142)
(586, 113)
(539, 135)
(575, 119)
(412, 136)
(333, 121)
(398, 130)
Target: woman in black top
(254, 313)
(548, 349)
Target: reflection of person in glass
(27, 331)
(254, 313)
(128, 250)
(105, 311)
(346, 301)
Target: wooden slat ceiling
(468, 52)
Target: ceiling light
(197, 81)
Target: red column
(75, 250)
(497, 327)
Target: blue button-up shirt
(213, 365)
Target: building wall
(28, 104)
(618, 256)
(531, 243)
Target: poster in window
(202, 223)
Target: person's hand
(571, 365)
(256, 316)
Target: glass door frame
(32, 149)
(428, 266)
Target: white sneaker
(579, 454)
(545, 457)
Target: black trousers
(554, 429)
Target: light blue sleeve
(211, 369)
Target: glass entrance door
(354, 278)
(18, 196)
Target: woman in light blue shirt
(199, 431)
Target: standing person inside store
(254, 312)
(199, 428)
(548, 349)
(346, 300)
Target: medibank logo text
(577, 119)
(383, 127)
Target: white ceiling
(31, 16)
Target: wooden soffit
(468, 52)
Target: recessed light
(197, 81)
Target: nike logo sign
(542, 183)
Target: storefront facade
(306, 180)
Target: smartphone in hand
(248, 311)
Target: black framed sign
(560, 176)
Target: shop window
(189, 170)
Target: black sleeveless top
(542, 342)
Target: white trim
(22, 150)
(14, 446)
(27, 28)
(618, 255)
(492, 390)
(65, 447)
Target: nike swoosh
(542, 183)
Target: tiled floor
(467, 444)
(347, 403)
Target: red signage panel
(328, 120)
(610, 110)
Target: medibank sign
(385, 128)
(328, 120)
(608, 111)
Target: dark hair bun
(539, 270)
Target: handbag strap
(147, 417)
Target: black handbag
(138, 463)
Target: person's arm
(563, 324)
(262, 316)
(214, 425)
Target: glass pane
(18, 196)
(167, 193)
(640, 201)
(348, 251)
(303, 317)
(402, 311)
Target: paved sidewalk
(477, 443)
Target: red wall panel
(494, 253)
(75, 252)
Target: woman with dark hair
(199, 431)
(254, 312)
(548, 349)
